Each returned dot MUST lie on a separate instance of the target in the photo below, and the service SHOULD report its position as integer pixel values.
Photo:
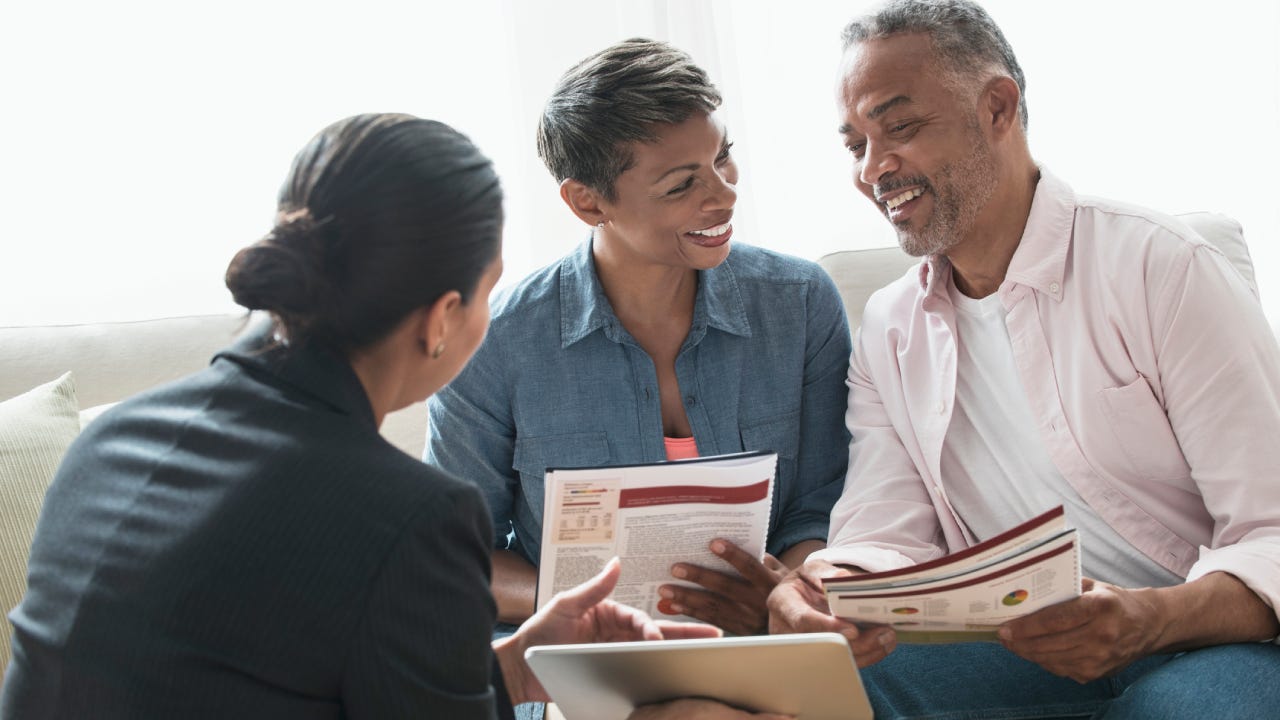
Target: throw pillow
(35, 430)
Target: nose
(722, 194)
(877, 162)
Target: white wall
(142, 143)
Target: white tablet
(811, 676)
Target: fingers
(816, 570)
(1053, 620)
(872, 645)
(751, 569)
(744, 614)
(578, 600)
(1083, 639)
(687, 631)
(714, 580)
(794, 606)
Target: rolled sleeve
(1220, 376)
(885, 518)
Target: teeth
(713, 231)
(897, 200)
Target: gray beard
(955, 207)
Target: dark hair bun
(283, 272)
(380, 215)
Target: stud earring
(438, 351)
(600, 224)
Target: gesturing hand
(582, 615)
(1092, 636)
(735, 603)
(797, 605)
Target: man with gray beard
(1051, 349)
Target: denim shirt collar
(584, 308)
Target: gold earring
(438, 351)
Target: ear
(1000, 105)
(583, 201)
(434, 322)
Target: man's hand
(734, 603)
(582, 615)
(1092, 636)
(797, 605)
(1108, 627)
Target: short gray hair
(613, 98)
(965, 39)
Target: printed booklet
(966, 595)
(651, 516)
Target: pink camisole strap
(680, 448)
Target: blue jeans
(966, 681)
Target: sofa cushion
(36, 428)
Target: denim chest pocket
(533, 455)
(780, 434)
(1140, 428)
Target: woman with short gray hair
(655, 340)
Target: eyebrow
(878, 110)
(690, 166)
(724, 143)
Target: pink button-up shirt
(1146, 359)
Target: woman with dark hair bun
(242, 543)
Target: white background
(142, 143)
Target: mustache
(894, 184)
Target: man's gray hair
(966, 41)
(613, 98)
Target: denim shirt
(558, 382)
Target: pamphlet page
(651, 516)
(968, 594)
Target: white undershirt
(993, 436)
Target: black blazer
(243, 543)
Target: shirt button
(690, 400)
(1054, 288)
(942, 407)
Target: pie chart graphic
(905, 611)
(1015, 597)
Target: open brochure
(966, 595)
(651, 516)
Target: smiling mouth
(715, 231)
(893, 202)
(711, 237)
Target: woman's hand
(734, 603)
(698, 709)
(582, 615)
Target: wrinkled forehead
(877, 70)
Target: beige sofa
(42, 408)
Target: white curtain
(142, 142)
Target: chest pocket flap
(533, 455)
